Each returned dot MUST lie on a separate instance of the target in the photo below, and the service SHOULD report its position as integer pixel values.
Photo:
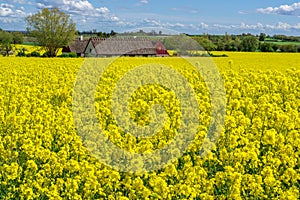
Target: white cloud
(281, 26)
(5, 11)
(9, 14)
(78, 8)
(144, 1)
(83, 13)
(293, 9)
(203, 25)
(6, 5)
(180, 25)
(256, 28)
(241, 12)
(115, 18)
(141, 3)
(15, 1)
(194, 11)
(157, 23)
(186, 9)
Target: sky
(189, 16)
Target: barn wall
(90, 50)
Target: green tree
(18, 37)
(112, 33)
(205, 42)
(266, 47)
(237, 44)
(288, 48)
(6, 40)
(220, 45)
(52, 29)
(275, 47)
(262, 37)
(249, 43)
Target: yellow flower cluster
(42, 156)
(30, 48)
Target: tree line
(7, 40)
(248, 42)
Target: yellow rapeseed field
(256, 155)
(258, 61)
(30, 48)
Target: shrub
(266, 47)
(68, 55)
(288, 48)
(21, 54)
(45, 55)
(73, 55)
(35, 54)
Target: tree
(249, 43)
(275, 47)
(288, 48)
(205, 42)
(220, 45)
(112, 33)
(262, 37)
(6, 40)
(52, 28)
(182, 43)
(266, 47)
(18, 37)
(237, 44)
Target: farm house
(108, 47)
(78, 47)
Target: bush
(266, 47)
(35, 54)
(213, 55)
(21, 54)
(73, 55)
(64, 55)
(68, 55)
(288, 48)
(45, 55)
(249, 43)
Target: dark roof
(78, 46)
(115, 46)
(125, 46)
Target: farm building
(78, 47)
(125, 46)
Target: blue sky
(190, 16)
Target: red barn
(160, 49)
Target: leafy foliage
(6, 40)
(52, 28)
(249, 43)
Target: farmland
(256, 155)
(258, 61)
(28, 49)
